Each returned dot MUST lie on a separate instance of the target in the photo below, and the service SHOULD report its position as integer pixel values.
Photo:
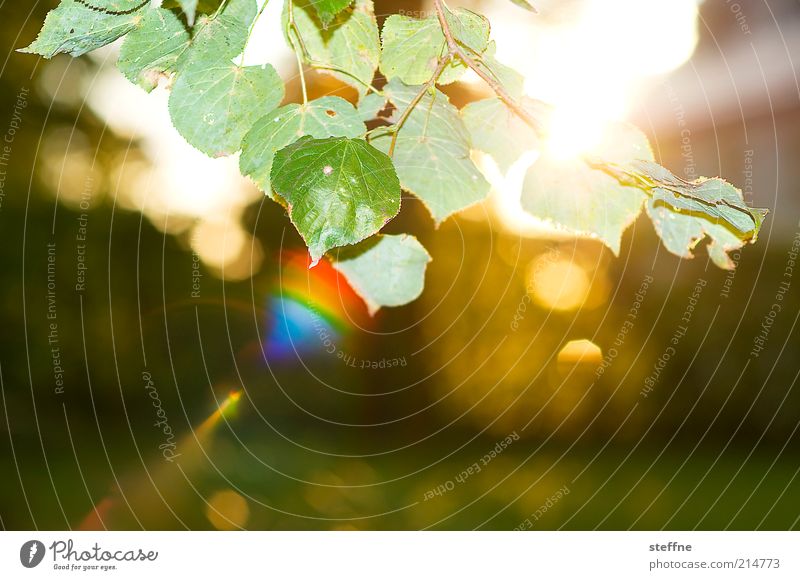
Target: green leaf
(432, 153)
(512, 81)
(384, 270)
(585, 200)
(75, 28)
(715, 199)
(115, 6)
(497, 131)
(370, 106)
(339, 191)
(189, 8)
(685, 212)
(469, 28)
(349, 44)
(215, 102)
(328, 9)
(222, 37)
(152, 48)
(680, 232)
(412, 47)
(325, 117)
(526, 5)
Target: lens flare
(226, 408)
(162, 480)
(558, 284)
(581, 351)
(310, 310)
(592, 67)
(227, 510)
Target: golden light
(227, 510)
(581, 351)
(142, 490)
(218, 241)
(504, 200)
(590, 59)
(572, 130)
(226, 407)
(592, 68)
(558, 284)
(226, 248)
(70, 169)
(62, 79)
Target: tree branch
(454, 49)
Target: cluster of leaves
(340, 182)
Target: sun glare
(592, 69)
(572, 131)
(559, 285)
(580, 351)
(591, 59)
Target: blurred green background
(138, 276)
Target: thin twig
(302, 77)
(250, 30)
(293, 26)
(219, 9)
(456, 50)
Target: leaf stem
(300, 67)
(293, 26)
(443, 62)
(428, 115)
(456, 50)
(320, 65)
(250, 30)
(330, 67)
(219, 9)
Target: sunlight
(558, 284)
(591, 59)
(580, 351)
(228, 250)
(226, 408)
(592, 69)
(267, 45)
(573, 131)
(505, 196)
